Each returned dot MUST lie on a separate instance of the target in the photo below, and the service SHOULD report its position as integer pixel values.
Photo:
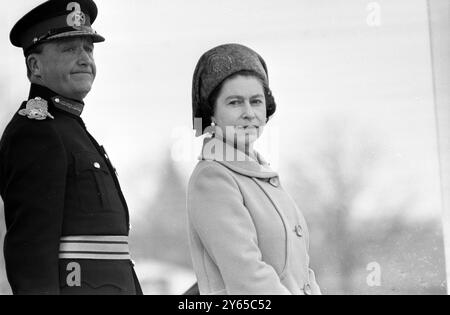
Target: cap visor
(95, 37)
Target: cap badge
(76, 18)
(36, 108)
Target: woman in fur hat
(247, 235)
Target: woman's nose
(249, 113)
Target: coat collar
(67, 105)
(217, 150)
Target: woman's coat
(247, 236)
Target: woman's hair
(209, 109)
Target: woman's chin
(239, 137)
(247, 135)
(245, 140)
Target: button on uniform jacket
(247, 236)
(56, 181)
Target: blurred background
(353, 138)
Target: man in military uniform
(67, 219)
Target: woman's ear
(271, 105)
(211, 128)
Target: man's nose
(84, 58)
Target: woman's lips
(247, 127)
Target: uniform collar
(62, 103)
(217, 150)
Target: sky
(363, 65)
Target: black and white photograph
(232, 148)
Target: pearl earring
(213, 128)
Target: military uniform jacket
(56, 181)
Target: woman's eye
(69, 49)
(257, 102)
(236, 102)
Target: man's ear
(34, 65)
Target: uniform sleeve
(226, 229)
(33, 179)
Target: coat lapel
(217, 150)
